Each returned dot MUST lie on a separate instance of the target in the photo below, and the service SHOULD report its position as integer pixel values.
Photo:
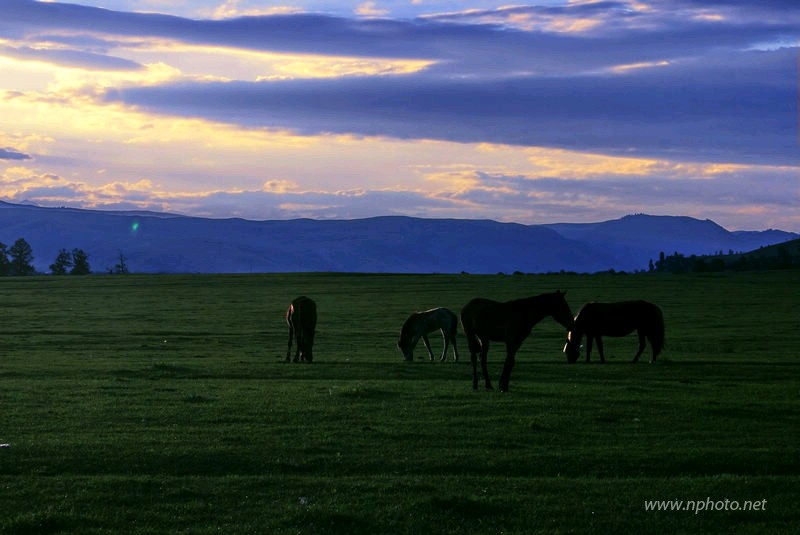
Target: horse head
(563, 315)
(404, 345)
(573, 347)
(406, 342)
(561, 312)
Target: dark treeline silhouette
(74, 263)
(781, 256)
(18, 261)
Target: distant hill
(168, 243)
(779, 256)
(635, 239)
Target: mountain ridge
(155, 242)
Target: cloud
(307, 114)
(575, 200)
(370, 9)
(10, 154)
(704, 113)
(461, 191)
(70, 58)
(669, 78)
(232, 9)
(629, 35)
(278, 199)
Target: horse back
(485, 318)
(617, 319)
(302, 313)
(422, 323)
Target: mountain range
(153, 242)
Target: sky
(554, 111)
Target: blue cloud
(711, 97)
(12, 154)
(71, 58)
(695, 112)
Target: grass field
(161, 404)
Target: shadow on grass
(451, 514)
(316, 521)
(40, 523)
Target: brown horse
(301, 316)
(419, 324)
(511, 322)
(596, 320)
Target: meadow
(162, 404)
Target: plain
(161, 404)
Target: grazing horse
(596, 320)
(511, 322)
(419, 324)
(301, 317)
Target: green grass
(161, 404)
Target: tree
(80, 263)
(21, 258)
(62, 264)
(122, 266)
(5, 266)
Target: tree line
(17, 260)
(782, 258)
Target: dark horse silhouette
(596, 320)
(301, 316)
(419, 324)
(511, 322)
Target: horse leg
(484, 367)
(446, 345)
(289, 349)
(505, 377)
(653, 347)
(589, 340)
(298, 343)
(455, 347)
(427, 346)
(305, 345)
(600, 349)
(641, 345)
(473, 358)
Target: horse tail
(452, 323)
(657, 336)
(466, 317)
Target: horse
(596, 320)
(301, 316)
(419, 324)
(511, 322)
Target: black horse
(511, 322)
(596, 320)
(301, 316)
(419, 324)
